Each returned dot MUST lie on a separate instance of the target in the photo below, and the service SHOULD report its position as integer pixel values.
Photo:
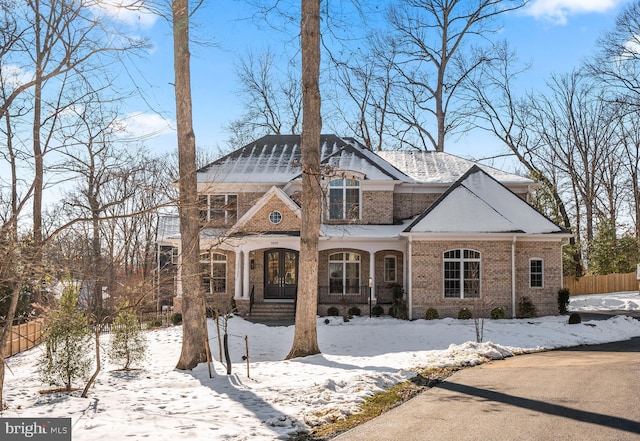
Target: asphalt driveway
(585, 393)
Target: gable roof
(276, 159)
(273, 192)
(442, 168)
(478, 203)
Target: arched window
(214, 272)
(344, 199)
(461, 274)
(390, 268)
(344, 273)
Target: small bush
(354, 311)
(399, 311)
(563, 300)
(128, 344)
(464, 314)
(377, 311)
(155, 323)
(176, 318)
(526, 308)
(497, 313)
(431, 314)
(333, 311)
(575, 318)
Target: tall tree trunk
(305, 340)
(194, 328)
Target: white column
(240, 269)
(179, 274)
(245, 285)
(372, 275)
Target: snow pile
(279, 397)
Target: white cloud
(15, 76)
(129, 12)
(144, 125)
(558, 11)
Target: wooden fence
(23, 337)
(601, 284)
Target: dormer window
(219, 208)
(344, 199)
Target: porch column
(179, 275)
(245, 273)
(372, 275)
(238, 275)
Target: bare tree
(504, 114)
(305, 340)
(195, 343)
(435, 57)
(617, 62)
(271, 102)
(367, 83)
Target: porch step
(272, 312)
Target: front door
(280, 274)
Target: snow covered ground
(280, 397)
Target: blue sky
(554, 35)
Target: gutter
(410, 279)
(513, 278)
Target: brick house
(434, 229)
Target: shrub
(128, 344)
(464, 314)
(333, 311)
(526, 308)
(497, 313)
(431, 314)
(68, 343)
(575, 318)
(377, 311)
(354, 311)
(155, 323)
(176, 318)
(563, 300)
(399, 311)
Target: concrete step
(272, 311)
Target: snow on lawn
(358, 358)
(622, 301)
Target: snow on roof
(168, 227)
(276, 159)
(442, 168)
(359, 231)
(477, 203)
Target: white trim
(541, 260)
(273, 191)
(384, 268)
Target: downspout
(513, 278)
(410, 280)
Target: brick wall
(427, 276)
(407, 205)
(377, 207)
(260, 220)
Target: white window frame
(344, 261)
(464, 264)
(230, 215)
(346, 185)
(395, 268)
(207, 261)
(541, 273)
